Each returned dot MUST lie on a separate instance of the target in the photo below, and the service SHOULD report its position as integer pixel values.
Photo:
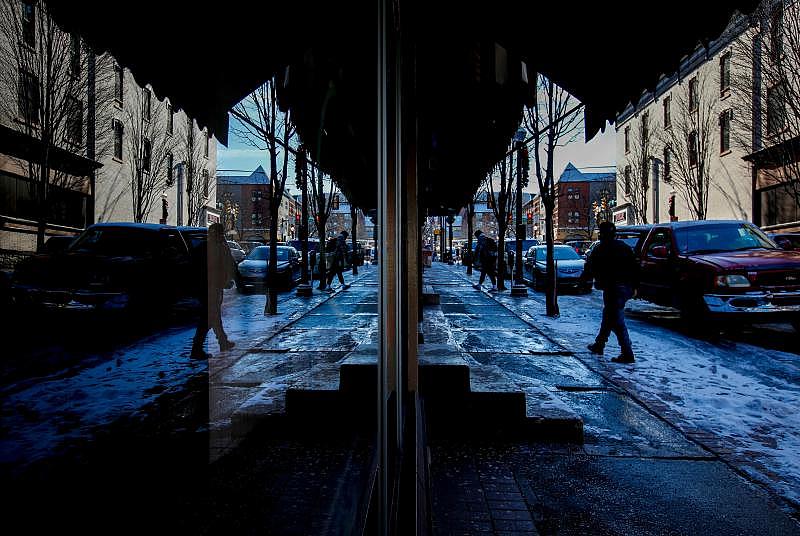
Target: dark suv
(109, 266)
(720, 269)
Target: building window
(667, 116)
(667, 164)
(776, 109)
(776, 33)
(28, 99)
(645, 128)
(74, 121)
(118, 131)
(693, 96)
(75, 56)
(119, 81)
(205, 183)
(627, 180)
(725, 74)
(170, 119)
(147, 153)
(205, 148)
(693, 156)
(627, 139)
(725, 131)
(29, 23)
(170, 173)
(146, 97)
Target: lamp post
(519, 288)
(301, 178)
(450, 220)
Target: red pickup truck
(720, 270)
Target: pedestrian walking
(214, 270)
(486, 253)
(339, 255)
(615, 270)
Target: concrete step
(429, 295)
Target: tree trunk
(501, 257)
(271, 304)
(551, 297)
(323, 283)
(353, 226)
(470, 214)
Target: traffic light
(335, 202)
(672, 208)
(526, 166)
(529, 218)
(297, 218)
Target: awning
(208, 59)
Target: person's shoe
(328, 289)
(623, 358)
(476, 286)
(226, 346)
(199, 354)
(493, 289)
(595, 348)
(346, 286)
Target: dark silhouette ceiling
(207, 59)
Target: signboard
(621, 217)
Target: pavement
(609, 462)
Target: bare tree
(765, 86)
(553, 121)
(689, 143)
(500, 198)
(51, 88)
(262, 125)
(636, 175)
(321, 204)
(192, 157)
(150, 152)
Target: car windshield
(713, 238)
(630, 239)
(115, 241)
(787, 241)
(559, 254)
(261, 253)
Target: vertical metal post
(304, 288)
(519, 288)
(384, 274)
(91, 112)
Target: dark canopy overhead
(207, 59)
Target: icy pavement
(42, 414)
(739, 400)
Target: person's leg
(483, 276)
(493, 276)
(607, 322)
(340, 275)
(216, 324)
(619, 327)
(198, 342)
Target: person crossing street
(339, 255)
(486, 253)
(614, 268)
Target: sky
(240, 159)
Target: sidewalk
(635, 473)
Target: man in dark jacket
(339, 256)
(615, 270)
(214, 269)
(486, 253)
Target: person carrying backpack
(486, 252)
(338, 257)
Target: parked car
(250, 245)
(109, 266)
(720, 270)
(569, 266)
(580, 246)
(787, 241)
(633, 235)
(236, 250)
(511, 251)
(253, 269)
(57, 244)
(348, 261)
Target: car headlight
(732, 281)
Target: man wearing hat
(615, 269)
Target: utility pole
(450, 220)
(519, 288)
(304, 288)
